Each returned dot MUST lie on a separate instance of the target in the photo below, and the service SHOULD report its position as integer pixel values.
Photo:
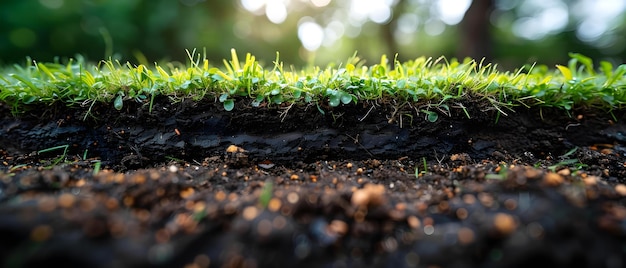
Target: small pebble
(339, 227)
(564, 172)
(532, 173)
(173, 169)
(553, 179)
(414, 222)
(249, 213)
(504, 224)
(465, 235)
(370, 195)
(66, 200)
(621, 189)
(234, 149)
(591, 180)
(266, 165)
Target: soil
(373, 184)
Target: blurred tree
(510, 32)
(476, 31)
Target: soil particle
(191, 185)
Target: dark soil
(367, 185)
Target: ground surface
(367, 185)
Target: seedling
(266, 194)
(96, 167)
(569, 153)
(566, 161)
(501, 175)
(174, 159)
(419, 173)
(16, 167)
(431, 116)
(61, 157)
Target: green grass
(431, 86)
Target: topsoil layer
(368, 185)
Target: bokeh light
(310, 34)
(540, 18)
(327, 29)
(451, 12)
(276, 11)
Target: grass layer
(432, 86)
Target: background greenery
(517, 32)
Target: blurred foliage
(161, 30)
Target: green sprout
(266, 194)
(423, 171)
(61, 157)
(96, 167)
(501, 175)
(566, 161)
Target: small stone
(66, 200)
(339, 227)
(460, 157)
(376, 192)
(414, 222)
(564, 172)
(621, 189)
(591, 180)
(173, 169)
(293, 197)
(370, 195)
(465, 235)
(504, 224)
(462, 213)
(266, 165)
(532, 173)
(606, 151)
(250, 213)
(186, 193)
(275, 204)
(553, 179)
(360, 198)
(469, 199)
(234, 149)
(510, 204)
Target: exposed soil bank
(135, 138)
(368, 185)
